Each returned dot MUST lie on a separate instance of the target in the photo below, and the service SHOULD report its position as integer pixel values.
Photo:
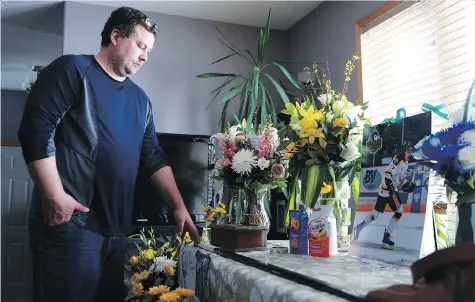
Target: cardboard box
(298, 236)
(322, 240)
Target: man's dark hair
(125, 19)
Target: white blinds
(424, 54)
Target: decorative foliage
(253, 90)
(451, 153)
(151, 275)
(324, 141)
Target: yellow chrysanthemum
(158, 290)
(222, 205)
(169, 297)
(220, 210)
(148, 254)
(134, 260)
(137, 289)
(137, 277)
(326, 188)
(206, 209)
(340, 122)
(184, 292)
(169, 270)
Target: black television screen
(188, 158)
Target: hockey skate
(388, 244)
(356, 231)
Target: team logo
(372, 179)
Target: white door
(16, 196)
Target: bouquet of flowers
(151, 275)
(252, 163)
(324, 141)
(451, 153)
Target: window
(415, 53)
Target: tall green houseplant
(251, 88)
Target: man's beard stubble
(116, 62)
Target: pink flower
(263, 147)
(278, 170)
(222, 163)
(229, 152)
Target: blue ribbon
(436, 109)
(400, 114)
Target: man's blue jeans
(73, 264)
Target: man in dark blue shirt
(85, 130)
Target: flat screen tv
(188, 158)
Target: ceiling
(245, 12)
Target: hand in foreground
(60, 209)
(183, 221)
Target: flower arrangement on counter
(324, 142)
(214, 215)
(251, 162)
(451, 152)
(151, 275)
(251, 159)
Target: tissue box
(298, 234)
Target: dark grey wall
(328, 34)
(183, 50)
(12, 109)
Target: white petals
(243, 161)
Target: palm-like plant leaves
(254, 94)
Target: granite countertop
(354, 275)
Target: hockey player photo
(394, 181)
(390, 212)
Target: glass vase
(205, 235)
(254, 212)
(466, 224)
(342, 213)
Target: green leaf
(251, 56)
(263, 106)
(217, 75)
(244, 99)
(218, 90)
(222, 120)
(232, 47)
(279, 89)
(223, 58)
(471, 179)
(231, 94)
(468, 103)
(254, 93)
(287, 74)
(312, 181)
(355, 186)
(263, 39)
(270, 104)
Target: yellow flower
(134, 260)
(326, 188)
(220, 211)
(206, 209)
(137, 289)
(222, 205)
(290, 150)
(169, 270)
(173, 254)
(137, 277)
(148, 254)
(158, 290)
(323, 142)
(169, 297)
(312, 134)
(340, 122)
(184, 292)
(290, 109)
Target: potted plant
(252, 89)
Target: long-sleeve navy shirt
(100, 130)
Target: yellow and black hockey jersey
(394, 175)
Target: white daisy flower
(263, 163)
(243, 161)
(159, 263)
